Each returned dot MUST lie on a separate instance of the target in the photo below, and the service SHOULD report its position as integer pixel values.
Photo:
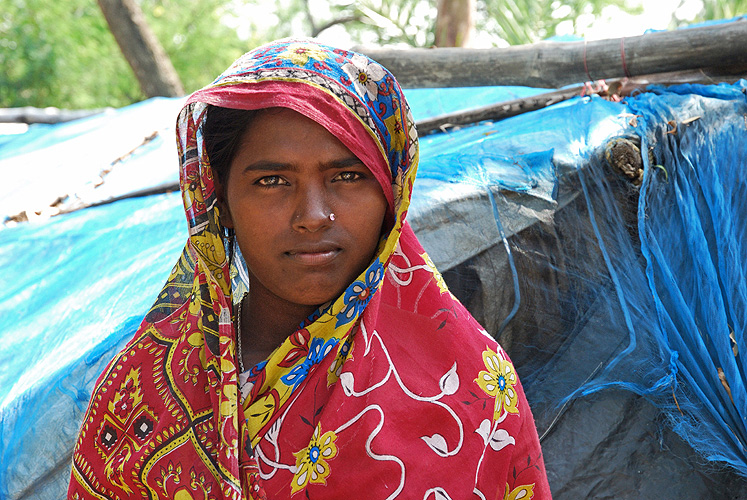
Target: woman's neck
(267, 320)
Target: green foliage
(61, 53)
(386, 22)
(528, 21)
(412, 22)
(192, 33)
(715, 9)
(382, 22)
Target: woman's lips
(314, 257)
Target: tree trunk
(455, 23)
(149, 62)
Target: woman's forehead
(282, 139)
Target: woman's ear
(224, 214)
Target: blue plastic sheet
(693, 233)
(635, 288)
(72, 292)
(590, 281)
(90, 160)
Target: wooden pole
(555, 64)
(141, 48)
(619, 87)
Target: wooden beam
(619, 88)
(555, 64)
(30, 114)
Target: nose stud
(331, 216)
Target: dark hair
(221, 131)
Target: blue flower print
(317, 351)
(359, 294)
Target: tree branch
(340, 20)
(310, 18)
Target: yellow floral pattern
(299, 54)
(436, 275)
(524, 492)
(499, 381)
(311, 462)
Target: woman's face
(288, 176)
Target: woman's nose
(312, 211)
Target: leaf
(305, 421)
(272, 433)
(484, 430)
(438, 492)
(347, 381)
(449, 383)
(318, 411)
(500, 439)
(443, 324)
(436, 443)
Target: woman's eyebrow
(342, 163)
(276, 166)
(273, 166)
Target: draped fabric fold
(392, 389)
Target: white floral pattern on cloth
(376, 370)
(365, 75)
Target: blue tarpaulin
(592, 281)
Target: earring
(230, 235)
(332, 217)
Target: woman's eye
(270, 180)
(348, 176)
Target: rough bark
(139, 45)
(455, 23)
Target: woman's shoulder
(446, 332)
(155, 388)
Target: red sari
(392, 390)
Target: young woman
(348, 369)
